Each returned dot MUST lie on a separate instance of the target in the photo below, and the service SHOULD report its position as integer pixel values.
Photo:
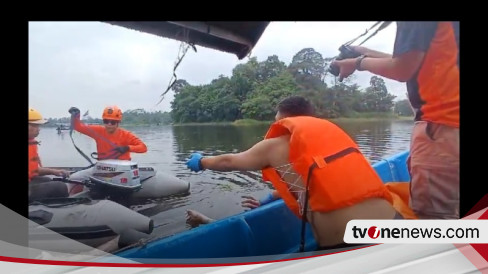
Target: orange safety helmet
(112, 113)
(35, 117)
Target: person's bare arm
(371, 53)
(52, 171)
(412, 41)
(401, 68)
(254, 158)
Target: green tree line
(130, 117)
(254, 89)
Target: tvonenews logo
(416, 231)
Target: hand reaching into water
(251, 202)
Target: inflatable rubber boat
(91, 222)
(88, 217)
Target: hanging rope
(184, 46)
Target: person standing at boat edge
(426, 57)
(41, 186)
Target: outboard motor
(116, 176)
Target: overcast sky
(91, 65)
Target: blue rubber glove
(195, 162)
(266, 200)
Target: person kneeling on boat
(41, 186)
(317, 169)
(112, 141)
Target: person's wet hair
(296, 106)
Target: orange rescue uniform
(107, 142)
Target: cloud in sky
(91, 64)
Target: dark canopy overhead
(237, 37)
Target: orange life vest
(34, 160)
(340, 175)
(400, 191)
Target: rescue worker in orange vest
(303, 156)
(112, 141)
(41, 186)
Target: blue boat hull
(267, 230)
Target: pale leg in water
(195, 218)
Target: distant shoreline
(251, 122)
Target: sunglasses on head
(112, 122)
